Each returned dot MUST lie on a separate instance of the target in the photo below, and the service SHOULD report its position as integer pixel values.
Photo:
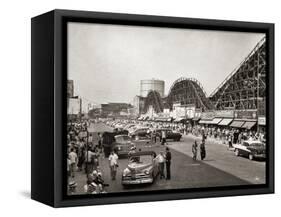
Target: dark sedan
(250, 149)
(123, 145)
(169, 134)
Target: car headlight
(146, 172)
(126, 172)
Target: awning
(178, 119)
(237, 124)
(196, 119)
(216, 120)
(225, 122)
(163, 119)
(205, 121)
(249, 124)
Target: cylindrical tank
(153, 84)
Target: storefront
(262, 123)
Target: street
(220, 168)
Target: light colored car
(251, 149)
(139, 133)
(142, 169)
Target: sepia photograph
(158, 108)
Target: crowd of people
(226, 135)
(85, 152)
(84, 156)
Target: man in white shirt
(161, 162)
(113, 164)
(73, 161)
(88, 161)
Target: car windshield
(257, 145)
(141, 159)
(122, 139)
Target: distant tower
(153, 84)
(70, 89)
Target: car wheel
(251, 157)
(237, 152)
(125, 186)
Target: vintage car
(139, 133)
(123, 145)
(142, 168)
(251, 149)
(109, 141)
(169, 134)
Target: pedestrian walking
(153, 136)
(161, 163)
(95, 158)
(168, 163)
(88, 161)
(113, 164)
(230, 141)
(163, 137)
(68, 167)
(100, 146)
(194, 150)
(202, 150)
(73, 161)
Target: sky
(108, 61)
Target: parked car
(123, 145)
(139, 133)
(169, 134)
(109, 141)
(142, 168)
(251, 149)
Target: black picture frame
(49, 83)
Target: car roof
(140, 153)
(253, 141)
(121, 135)
(164, 129)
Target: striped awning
(216, 120)
(249, 124)
(225, 122)
(205, 121)
(237, 124)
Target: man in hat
(194, 150)
(202, 150)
